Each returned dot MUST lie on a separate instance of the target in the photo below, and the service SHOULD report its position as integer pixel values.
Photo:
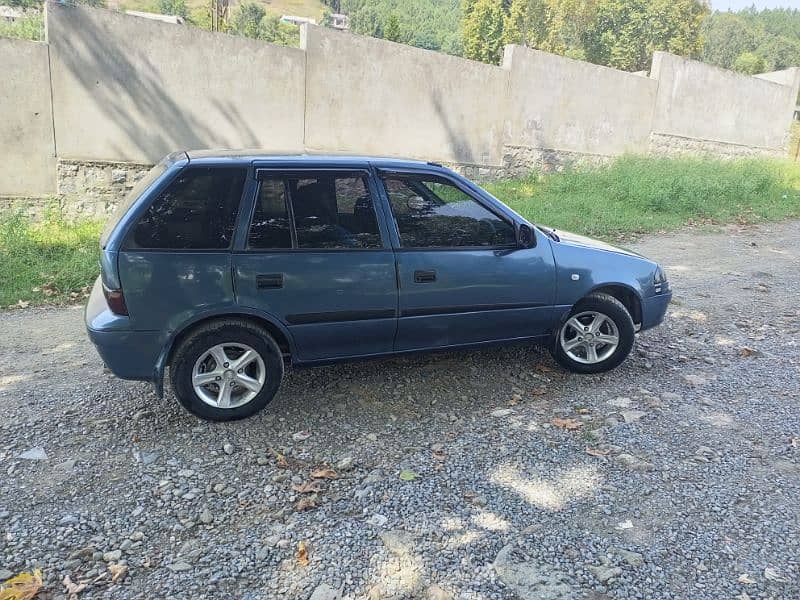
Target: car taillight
(116, 301)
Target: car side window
(270, 227)
(197, 211)
(431, 212)
(333, 211)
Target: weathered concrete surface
(573, 106)
(28, 161)
(699, 101)
(127, 88)
(369, 96)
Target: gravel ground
(681, 477)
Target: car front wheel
(226, 370)
(596, 337)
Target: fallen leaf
(302, 554)
(745, 351)
(539, 391)
(117, 572)
(773, 575)
(307, 503)
(543, 369)
(597, 452)
(22, 304)
(73, 589)
(24, 586)
(408, 475)
(568, 424)
(324, 473)
(49, 289)
(746, 579)
(280, 459)
(309, 487)
(625, 524)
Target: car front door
(463, 278)
(318, 259)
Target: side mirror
(525, 236)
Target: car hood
(574, 239)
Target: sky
(740, 4)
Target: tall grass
(637, 194)
(52, 261)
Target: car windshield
(141, 186)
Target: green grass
(636, 194)
(54, 261)
(27, 28)
(49, 262)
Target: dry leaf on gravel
(543, 369)
(307, 503)
(73, 589)
(598, 452)
(408, 475)
(745, 352)
(568, 424)
(745, 578)
(301, 436)
(324, 473)
(280, 459)
(302, 554)
(539, 391)
(20, 304)
(117, 572)
(24, 586)
(773, 575)
(309, 487)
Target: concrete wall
(569, 106)
(128, 88)
(700, 102)
(28, 160)
(369, 96)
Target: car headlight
(659, 276)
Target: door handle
(270, 281)
(424, 276)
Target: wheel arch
(277, 330)
(627, 295)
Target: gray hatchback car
(225, 266)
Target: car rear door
(318, 258)
(462, 277)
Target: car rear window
(196, 211)
(140, 188)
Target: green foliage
(771, 35)
(482, 30)
(637, 194)
(431, 24)
(173, 7)
(27, 28)
(48, 262)
(625, 33)
(251, 20)
(749, 63)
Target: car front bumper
(654, 308)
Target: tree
(247, 20)
(625, 33)
(779, 53)
(527, 23)
(749, 63)
(726, 36)
(173, 7)
(482, 30)
(391, 30)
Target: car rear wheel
(596, 337)
(226, 370)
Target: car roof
(260, 156)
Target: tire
(240, 393)
(572, 348)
